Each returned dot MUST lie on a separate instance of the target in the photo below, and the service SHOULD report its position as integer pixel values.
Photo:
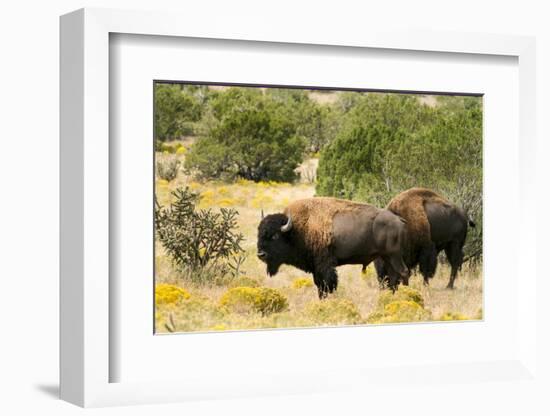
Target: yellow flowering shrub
(162, 182)
(207, 199)
(226, 202)
(262, 300)
(403, 293)
(400, 311)
(453, 316)
(181, 150)
(245, 182)
(169, 294)
(333, 312)
(222, 190)
(301, 282)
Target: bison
(433, 224)
(318, 234)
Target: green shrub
(205, 245)
(317, 124)
(333, 312)
(262, 300)
(249, 137)
(176, 105)
(168, 168)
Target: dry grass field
(184, 305)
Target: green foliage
(316, 124)
(167, 168)
(249, 138)
(203, 243)
(177, 107)
(390, 142)
(262, 300)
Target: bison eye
(275, 237)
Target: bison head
(274, 244)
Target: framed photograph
(259, 214)
(252, 179)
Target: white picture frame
(85, 182)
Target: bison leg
(454, 255)
(397, 270)
(381, 272)
(326, 280)
(428, 262)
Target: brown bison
(433, 224)
(318, 234)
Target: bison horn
(288, 226)
(262, 214)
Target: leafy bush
(249, 137)
(176, 107)
(169, 294)
(203, 243)
(333, 312)
(317, 124)
(301, 282)
(167, 168)
(262, 300)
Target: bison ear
(288, 226)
